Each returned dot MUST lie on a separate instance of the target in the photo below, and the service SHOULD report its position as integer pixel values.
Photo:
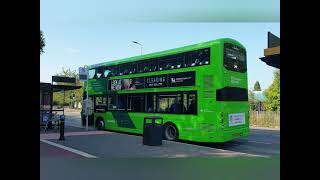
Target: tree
(252, 100)
(42, 42)
(273, 93)
(58, 96)
(257, 86)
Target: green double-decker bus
(200, 91)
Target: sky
(100, 31)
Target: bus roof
(165, 52)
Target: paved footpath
(47, 150)
(66, 134)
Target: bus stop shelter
(47, 90)
(272, 53)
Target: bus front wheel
(170, 132)
(100, 124)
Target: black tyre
(170, 132)
(100, 124)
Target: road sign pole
(87, 118)
(64, 97)
(84, 71)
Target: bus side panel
(186, 124)
(122, 121)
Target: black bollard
(61, 138)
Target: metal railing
(49, 119)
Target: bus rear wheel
(170, 132)
(100, 124)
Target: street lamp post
(138, 44)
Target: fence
(269, 119)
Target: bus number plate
(236, 119)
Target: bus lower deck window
(112, 102)
(170, 103)
(189, 102)
(135, 103)
(150, 103)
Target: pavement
(118, 145)
(47, 150)
(262, 142)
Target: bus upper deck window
(140, 67)
(206, 60)
(114, 71)
(171, 62)
(195, 62)
(132, 68)
(106, 73)
(151, 66)
(92, 73)
(200, 60)
(100, 73)
(179, 62)
(195, 58)
(121, 69)
(126, 70)
(206, 55)
(164, 64)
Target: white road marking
(259, 142)
(69, 149)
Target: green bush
(55, 103)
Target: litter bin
(152, 132)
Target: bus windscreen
(234, 58)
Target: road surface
(260, 141)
